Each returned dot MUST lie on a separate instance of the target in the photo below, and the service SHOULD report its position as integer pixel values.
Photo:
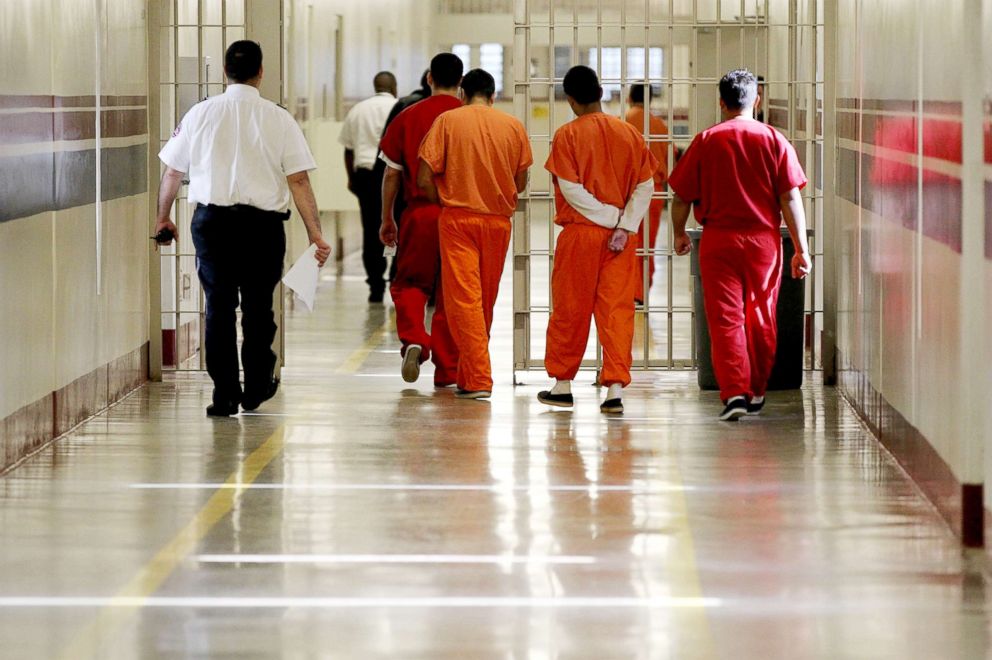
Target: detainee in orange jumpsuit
(475, 160)
(604, 177)
(656, 128)
(418, 256)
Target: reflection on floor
(357, 516)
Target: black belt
(246, 208)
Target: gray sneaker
(411, 363)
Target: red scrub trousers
(741, 275)
(590, 281)
(418, 277)
(473, 251)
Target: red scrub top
(402, 140)
(735, 172)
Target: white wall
(57, 323)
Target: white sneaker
(411, 363)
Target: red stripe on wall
(29, 127)
(8, 101)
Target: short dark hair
(423, 80)
(637, 92)
(738, 89)
(582, 84)
(446, 70)
(478, 82)
(243, 61)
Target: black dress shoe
(222, 408)
(375, 297)
(558, 400)
(252, 400)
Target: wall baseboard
(36, 424)
(961, 505)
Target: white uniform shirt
(238, 148)
(363, 126)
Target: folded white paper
(302, 277)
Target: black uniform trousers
(239, 252)
(368, 188)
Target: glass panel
(189, 40)
(189, 12)
(235, 12)
(212, 11)
(491, 60)
(464, 53)
(213, 55)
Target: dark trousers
(239, 251)
(368, 189)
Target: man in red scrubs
(743, 177)
(418, 252)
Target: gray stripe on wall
(34, 184)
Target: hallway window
(491, 61)
(464, 53)
(611, 67)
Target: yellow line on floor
(358, 357)
(97, 639)
(692, 627)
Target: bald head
(384, 81)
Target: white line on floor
(396, 559)
(345, 602)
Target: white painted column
(973, 360)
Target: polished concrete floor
(357, 516)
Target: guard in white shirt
(360, 135)
(245, 156)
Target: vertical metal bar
(176, 59)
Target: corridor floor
(357, 516)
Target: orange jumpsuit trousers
(653, 222)
(591, 281)
(418, 277)
(741, 274)
(473, 251)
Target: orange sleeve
(433, 149)
(561, 160)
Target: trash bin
(787, 372)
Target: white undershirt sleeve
(586, 203)
(638, 206)
(393, 165)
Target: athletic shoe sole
(733, 413)
(473, 394)
(411, 364)
(611, 407)
(562, 400)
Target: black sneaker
(612, 406)
(252, 400)
(736, 408)
(754, 406)
(557, 400)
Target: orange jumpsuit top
(406, 132)
(475, 152)
(656, 128)
(605, 155)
